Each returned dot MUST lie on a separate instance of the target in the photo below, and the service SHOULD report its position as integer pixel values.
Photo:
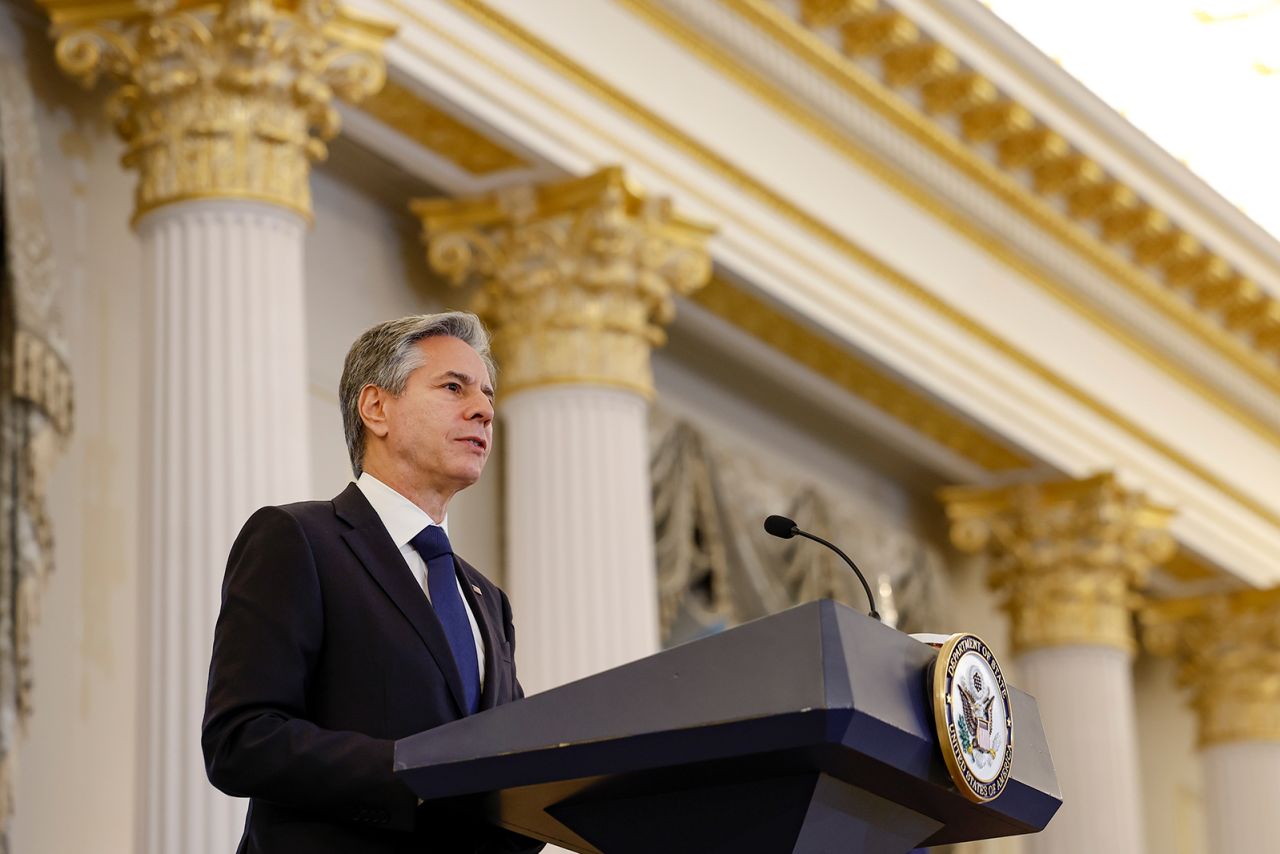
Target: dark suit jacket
(325, 652)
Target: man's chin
(467, 476)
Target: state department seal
(974, 720)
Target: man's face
(440, 429)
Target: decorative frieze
(1066, 556)
(230, 99)
(1228, 651)
(577, 279)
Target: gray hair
(385, 356)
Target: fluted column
(577, 282)
(1066, 558)
(222, 108)
(1228, 650)
(226, 429)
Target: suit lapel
(479, 607)
(373, 546)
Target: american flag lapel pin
(477, 590)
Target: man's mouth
(476, 442)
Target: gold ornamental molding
(223, 99)
(1227, 647)
(577, 278)
(436, 130)
(1067, 556)
(986, 134)
(828, 359)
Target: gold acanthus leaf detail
(230, 99)
(1227, 646)
(1066, 555)
(577, 279)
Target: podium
(809, 731)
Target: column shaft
(1085, 696)
(1242, 791)
(579, 531)
(1228, 650)
(227, 433)
(1067, 556)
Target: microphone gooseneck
(781, 526)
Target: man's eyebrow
(467, 379)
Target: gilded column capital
(1066, 556)
(577, 279)
(221, 99)
(1228, 651)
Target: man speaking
(350, 623)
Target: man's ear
(373, 409)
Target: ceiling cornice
(885, 59)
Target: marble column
(222, 109)
(1228, 650)
(1066, 558)
(577, 280)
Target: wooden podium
(809, 731)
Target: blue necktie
(442, 584)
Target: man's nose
(481, 408)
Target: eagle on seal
(977, 714)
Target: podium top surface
(818, 686)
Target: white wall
(77, 770)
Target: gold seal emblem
(972, 713)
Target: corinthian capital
(231, 98)
(1228, 651)
(577, 279)
(1066, 555)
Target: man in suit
(348, 624)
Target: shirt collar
(401, 517)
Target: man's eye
(453, 386)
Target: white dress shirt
(403, 520)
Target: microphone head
(780, 526)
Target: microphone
(781, 526)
